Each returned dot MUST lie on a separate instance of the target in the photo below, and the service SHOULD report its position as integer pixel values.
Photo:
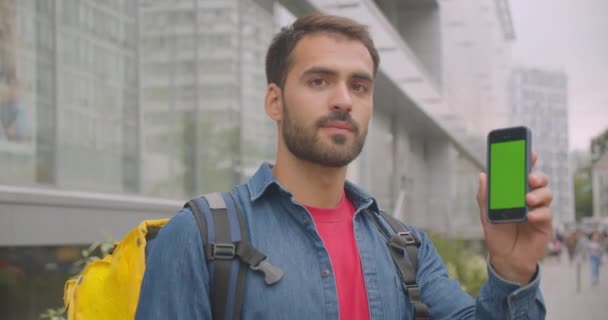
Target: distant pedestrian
(595, 251)
(570, 242)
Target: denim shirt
(176, 281)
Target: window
(35, 277)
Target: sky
(571, 36)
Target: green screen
(508, 174)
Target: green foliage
(96, 251)
(464, 265)
(583, 193)
(599, 146)
(54, 314)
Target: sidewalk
(563, 302)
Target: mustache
(338, 116)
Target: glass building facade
(74, 94)
(202, 90)
(151, 97)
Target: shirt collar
(260, 182)
(259, 185)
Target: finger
(540, 215)
(481, 191)
(538, 179)
(539, 197)
(481, 197)
(534, 158)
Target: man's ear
(274, 102)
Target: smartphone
(509, 163)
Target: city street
(559, 288)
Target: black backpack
(225, 237)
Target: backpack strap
(225, 236)
(402, 240)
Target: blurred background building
(117, 111)
(539, 100)
(477, 38)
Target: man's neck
(311, 184)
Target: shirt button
(305, 222)
(325, 273)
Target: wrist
(518, 273)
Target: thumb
(481, 197)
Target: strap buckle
(272, 274)
(401, 240)
(224, 251)
(408, 237)
(413, 290)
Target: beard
(305, 142)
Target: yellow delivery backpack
(109, 288)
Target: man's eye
(318, 82)
(359, 87)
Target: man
(303, 214)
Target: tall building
(599, 177)
(202, 90)
(460, 51)
(539, 100)
(476, 61)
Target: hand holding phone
(514, 248)
(509, 163)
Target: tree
(583, 194)
(464, 264)
(599, 146)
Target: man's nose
(341, 98)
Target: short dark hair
(279, 53)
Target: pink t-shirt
(335, 226)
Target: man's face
(327, 99)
